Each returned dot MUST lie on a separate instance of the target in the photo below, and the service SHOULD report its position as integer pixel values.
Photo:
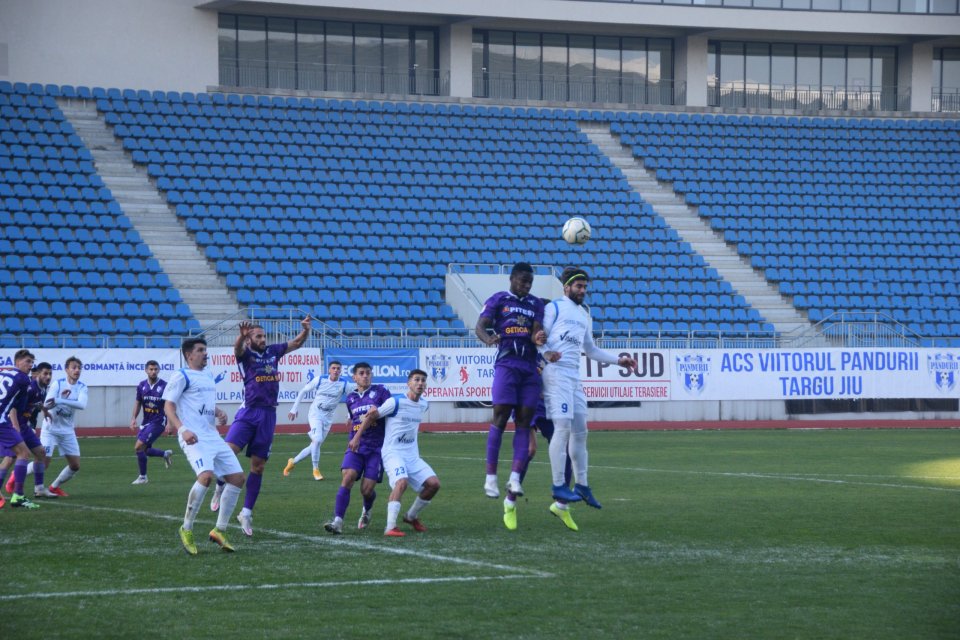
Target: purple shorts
(366, 462)
(516, 386)
(253, 429)
(150, 433)
(30, 438)
(9, 437)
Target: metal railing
(565, 88)
(945, 100)
(801, 98)
(311, 76)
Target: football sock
(393, 512)
(30, 468)
(64, 476)
(38, 469)
(368, 502)
(228, 502)
(194, 501)
(3, 475)
(521, 449)
(155, 453)
(253, 490)
(558, 449)
(342, 502)
(578, 449)
(19, 473)
(142, 462)
(523, 474)
(303, 454)
(418, 505)
(315, 454)
(494, 439)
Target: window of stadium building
(949, 7)
(946, 80)
(804, 77)
(573, 68)
(322, 55)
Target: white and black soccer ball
(576, 230)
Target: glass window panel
(888, 6)
(766, 4)
(736, 3)
(731, 74)
(581, 68)
(368, 57)
(252, 50)
(783, 76)
(884, 77)
(479, 66)
(339, 56)
(757, 78)
(860, 93)
(796, 4)
(554, 66)
(943, 6)
(913, 6)
(825, 5)
(426, 77)
(951, 68)
(396, 59)
(660, 70)
(808, 66)
(281, 53)
(528, 65)
(608, 69)
(227, 46)
(856, 5)
(833, 77)
(635, 70)
(310, 56)
(500, 57)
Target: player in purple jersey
(516, 318)
(14, 395)
(255, 422)
(364, 460)
(39, 382)
(150, 399)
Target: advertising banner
(779, 374)
(296, 369)
(390, 366)
(104, 367)
(467, 374)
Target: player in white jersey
(328, 392)
(65, 397)
(190, 406)
(401, 454)
(569, 329)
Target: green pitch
(740, 534)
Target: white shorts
(211, 454)
(563, 393)
(319, 426)
(412, 467)
(65, 442)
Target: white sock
(300, 456)
(508, 503)
(29, 468)
(578, 449)
(418, 505)
(558, 449)
(64, 476)
(515, 477)
(228, 501)
(393, 511)
(194, 500)
(245, 511)
(561, 505)
(315, 454)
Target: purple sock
(253, 490)
(38, 469)
(19, 475)
(368, 502)
(155, 453)
(343, 501)
(142, 462)
(523, 474)
(494, 438)
(3, 475)
(521, 449)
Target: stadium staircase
(201, 288)
(757, 291)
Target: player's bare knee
(236, 479)
(205, 478)
(430, 488)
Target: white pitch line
(255, 587)
(756, 475)
(338, 540)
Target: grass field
(714, 534)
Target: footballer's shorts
(210, 453)
(66, 443)
(252, 429)
(320, 425)
(150, 433)
(409, 465)
(516, 386)
(9, 437)
(563, 393)
(30, 437)
(366, 462)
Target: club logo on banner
(390, 366)
(943, 367)
(694, 370)
(438, 365)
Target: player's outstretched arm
(301, 338)
(240, 344)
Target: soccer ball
(576, 231)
